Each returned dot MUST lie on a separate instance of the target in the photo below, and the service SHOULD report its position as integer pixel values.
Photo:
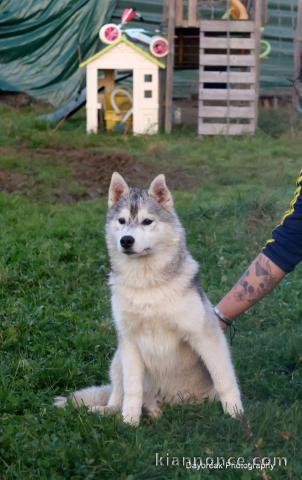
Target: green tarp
(39, 38)
(39, 42)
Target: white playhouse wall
(145, 87)
(145, 100)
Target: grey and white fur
(171, 348)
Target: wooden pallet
(229, 70)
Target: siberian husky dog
(171, 349)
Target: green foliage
(56, 333)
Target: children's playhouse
(222, 44)
(124, 55)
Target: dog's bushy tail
(90, 397)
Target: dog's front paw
(131, 416)
(232, 404)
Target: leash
(232, 332)
(232, 329)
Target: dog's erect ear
(118, 188)
(159, 190)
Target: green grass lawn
(56, 332)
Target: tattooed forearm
(259, 279)
(256, 282)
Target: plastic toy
(266, 49)
(239, 12)
(118, 109)
(111, 32)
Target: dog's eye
(122, 221)
(147, 221)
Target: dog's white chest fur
(147, 319)
(153, 350)
(148, 299)
(153, 320)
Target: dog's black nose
(127, 241)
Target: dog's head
(141, 222)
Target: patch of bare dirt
(14, 182)
(92, 171)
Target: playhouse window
(148, 78)
(148, 93)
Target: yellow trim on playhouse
(125, 40)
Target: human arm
(261, 277)
(279, 257)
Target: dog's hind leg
(116, 376)
(90, 397)
(114, 403)
(106, 399)
(152, 409)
